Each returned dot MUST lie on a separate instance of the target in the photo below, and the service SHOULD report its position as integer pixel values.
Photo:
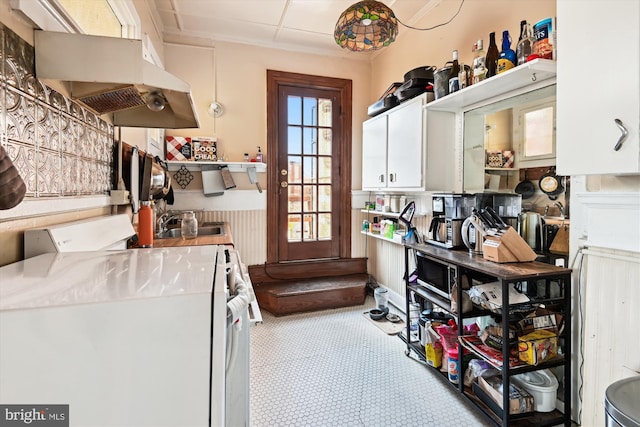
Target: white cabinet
(592, 95)
(392, 147)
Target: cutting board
(560, 244)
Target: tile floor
(335, 368)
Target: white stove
(128, 338)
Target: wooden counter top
(227, 239)
(506, 271)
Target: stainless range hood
(109, 75)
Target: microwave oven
(436, 276)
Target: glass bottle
(479, 67)
(145, 225)
(525, 46)
(189, 225)
(491, 59)
(454, 83)
(507, 59)
(463, 79)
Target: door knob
(284, 184)
(283, 172)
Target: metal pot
(441, 81)
(160, 179)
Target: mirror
(507, 135)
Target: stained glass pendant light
(366, 25)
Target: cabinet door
(404, 146)
(598, 82)
(374, 153)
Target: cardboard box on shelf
(520, 400)
(538, 346)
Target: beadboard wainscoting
(611, 318)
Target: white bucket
(542, 385)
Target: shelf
(388, 214)
(501, 169)
(377, 236)
(518, 77)
(233, 166)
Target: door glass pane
(324, 143)
(310, 198)
(294, 141)
(310, 169)
(295, 170)
(324, 170)
(538, 125)
(310, 138)
(309, 230)
(295, 198)
(324, 226)
(324, 198)
(310, 112)
(295, 228)
(325, 111)
(294, 110)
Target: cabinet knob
(624, 135)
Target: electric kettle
(471, 235)
(531, 229)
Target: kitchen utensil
(393, 318)
(525, 188)
(424, 72)
(253, 178)
(498, 220)
(551, 184)
(560, 244)
(530, 228)
(472, 234)
(441, 81)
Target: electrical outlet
(559, 262)
(119, 197)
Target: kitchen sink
(206, 229)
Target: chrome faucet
(560, 207)
(163, 220)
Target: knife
(501, 224)
(485, 215)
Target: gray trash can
(622, 403)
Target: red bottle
(145, 225)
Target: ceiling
(299, 25)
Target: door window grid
(309, 168)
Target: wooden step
(302, 295)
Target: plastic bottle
(189, 225)
(259, 157)
(491, 59)
(453, 369)
(145, 225)
(479, 67)
(507, 59)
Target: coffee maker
(449, 212)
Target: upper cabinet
(598, 103)
(392, 148)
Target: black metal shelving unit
(538, 276)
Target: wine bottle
(507, 59)
(463, 78)
(491, 59)
(454, 82)
(525, 45)
(479, 68)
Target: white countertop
(107, 276)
